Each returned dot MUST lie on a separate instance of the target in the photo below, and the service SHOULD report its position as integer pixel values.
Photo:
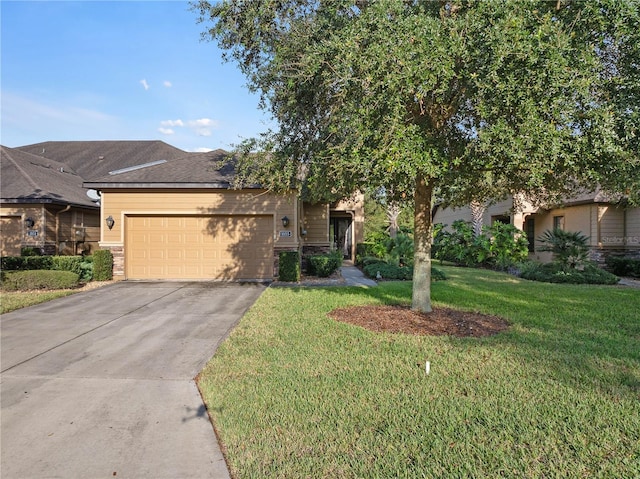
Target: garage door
(199, 247)
(10, 235)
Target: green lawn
(10, 301)
(295, 394)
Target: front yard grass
(12, 300)
(293, 393)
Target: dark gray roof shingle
(191, 170)
(30, 178)
(94, 159)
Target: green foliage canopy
(473, 99)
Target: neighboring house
(179, 219)
(613, 227)
(44, 206)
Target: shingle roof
(30, 178)
(191, 170)
(94, 159)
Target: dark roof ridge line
(20, 169)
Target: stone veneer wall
(118, 261)
(600, 255)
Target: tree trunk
(477, 212)
(393, 212)
(422, 234)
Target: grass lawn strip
(294, 393)
(13, 300)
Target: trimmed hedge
(388, 271)
(24, 263)
(289, 266)
(38, 279)
(624, 266)
(556, 273)
(67, 263)
(391, 271)
(324, 265)
(102, 265)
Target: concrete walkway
(101, 383)
(349, 276)
(354, 277)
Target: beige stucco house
(180, 219)
(612, 226)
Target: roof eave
(143, 185)
(46, 201)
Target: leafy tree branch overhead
(472, 100)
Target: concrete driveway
(100, 383)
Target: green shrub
(624, 266)
(500, 246)
(23, 263)
(388, 271)
(400, 250)
(324, 265)
(30, 251)
(437, 274)
(289, 266)
(507, 245)
(86, 269)
(569, 248)
(371, 259)
(376, 244)
(392, 271)
(557, 272)
(364, 250)
(67, 263)
(38, 279)
(102, 265)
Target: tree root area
(403, 320)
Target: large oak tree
(467, 99)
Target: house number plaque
(284, 234)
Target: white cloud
(203, 122)
(202, 150)
(172, 123)
(144, 84)
(201, 126)
(167, 83)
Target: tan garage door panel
(10, 234)
(199, 247)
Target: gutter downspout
(68, 207)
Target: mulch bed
(402, 319)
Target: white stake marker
(427, 367)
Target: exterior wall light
(285, 221)
(29, 222)
(110, 221)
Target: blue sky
(118, 70)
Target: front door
(342, 231)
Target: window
(558, 222)
(501, 219)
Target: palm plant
(569, 248)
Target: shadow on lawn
(582, 336)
